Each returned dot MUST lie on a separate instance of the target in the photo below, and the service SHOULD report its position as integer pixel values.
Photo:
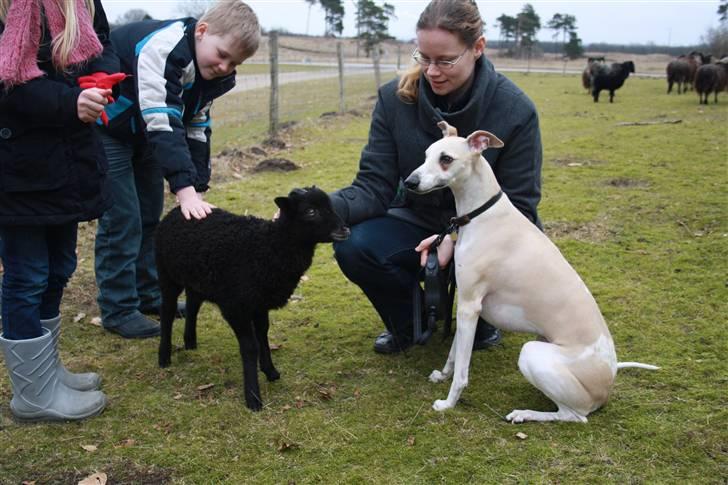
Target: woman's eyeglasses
(443, 65)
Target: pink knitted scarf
(19, 42)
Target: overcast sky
(673, 22)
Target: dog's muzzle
(412, 182)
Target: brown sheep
(588, 74)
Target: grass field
(639, 211)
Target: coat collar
(466, 118)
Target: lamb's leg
(261, 323)
(194, 302)
(242, 324)
(595, 95)
(170, 292)
(611, 96)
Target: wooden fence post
(273, 48)
(375, 59)
(340, 57)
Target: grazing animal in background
(510, 274)
(610, 78)
(682, 71)
(245, 265)
(589, 71)
(711, 78)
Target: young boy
(160, 127)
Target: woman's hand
(192, 204)
(444, 251)
(91, 103)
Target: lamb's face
(311, 210)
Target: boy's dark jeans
(38, 261)
(379, 257)
(126, 274)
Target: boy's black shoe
(154, 310)
(385, 343)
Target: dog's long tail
(622, 365)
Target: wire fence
(290, 81)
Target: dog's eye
(445, 159)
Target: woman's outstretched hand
(444, 251)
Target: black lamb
(610, 78)
(245, 265)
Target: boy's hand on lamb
(444, 251)
(192, 205)
(91, 102)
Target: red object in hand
(102, 80)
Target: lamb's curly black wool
(244, 264)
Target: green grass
(639, 211)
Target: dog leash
(440, 285)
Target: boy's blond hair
(237, 19)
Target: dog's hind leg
(463, 348)
(194, 301)
(548, 369)
(262, 323)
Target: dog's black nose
(412, 182)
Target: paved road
(255, 81)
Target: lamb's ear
(447, 130)
(283, 203)
(481, 140)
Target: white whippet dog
(510, 274)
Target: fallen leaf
(96, 321)
(79, 317)
(89, 448)
(305, 278)
(126, 443)
(357, 393)
(410, 440)
(287, 407)
(274, 346)
(285, 446)
(205, 387)
(295, 297)
(521, 436)
(95, 479)
(177, 397)
(25, 482)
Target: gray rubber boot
(88, 381)
(38, 393)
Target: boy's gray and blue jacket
(166, 102)
(400, 133)
(52, 165)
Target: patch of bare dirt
(123, 473)
(627, 183)
(593, 231)
(275, 165)
(569, 161)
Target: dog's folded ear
(447, 130)
(480, 140)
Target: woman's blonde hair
(459, 17)
(64, 43)
(237, 19)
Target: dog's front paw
(441, 405)
(437, 376)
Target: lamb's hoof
(437, 376)
(272, 375)
(441, 405)
(254, 406)
(164, 363)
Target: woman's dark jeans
(380, 258)
(39, 261)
